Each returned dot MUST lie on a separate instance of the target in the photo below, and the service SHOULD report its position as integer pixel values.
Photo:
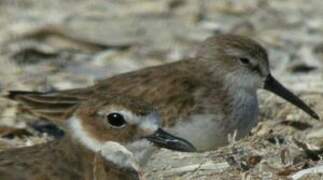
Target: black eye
(244, 60)
(116, 120)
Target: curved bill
(164, 139)
(271, 84)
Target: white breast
(245, 113)
(210, 131)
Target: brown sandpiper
(202, 99)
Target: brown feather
(172, 88)
(46, 105)
(61, 159)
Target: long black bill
(164, 139)
(271, 84)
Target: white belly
(202, 131)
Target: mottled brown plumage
(61, 159)
(203, 99)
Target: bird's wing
(169, 86)
(53, 106)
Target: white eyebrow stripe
(149, 121)
(130, 117)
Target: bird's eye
(116, 120)
(244, 60)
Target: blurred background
(50, 45)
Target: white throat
(119, 155)
(142, 150)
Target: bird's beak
(271, 84)
(164, 139)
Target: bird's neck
(73, 154)
(94, 165)
(76, 150)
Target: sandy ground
(51, 45)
